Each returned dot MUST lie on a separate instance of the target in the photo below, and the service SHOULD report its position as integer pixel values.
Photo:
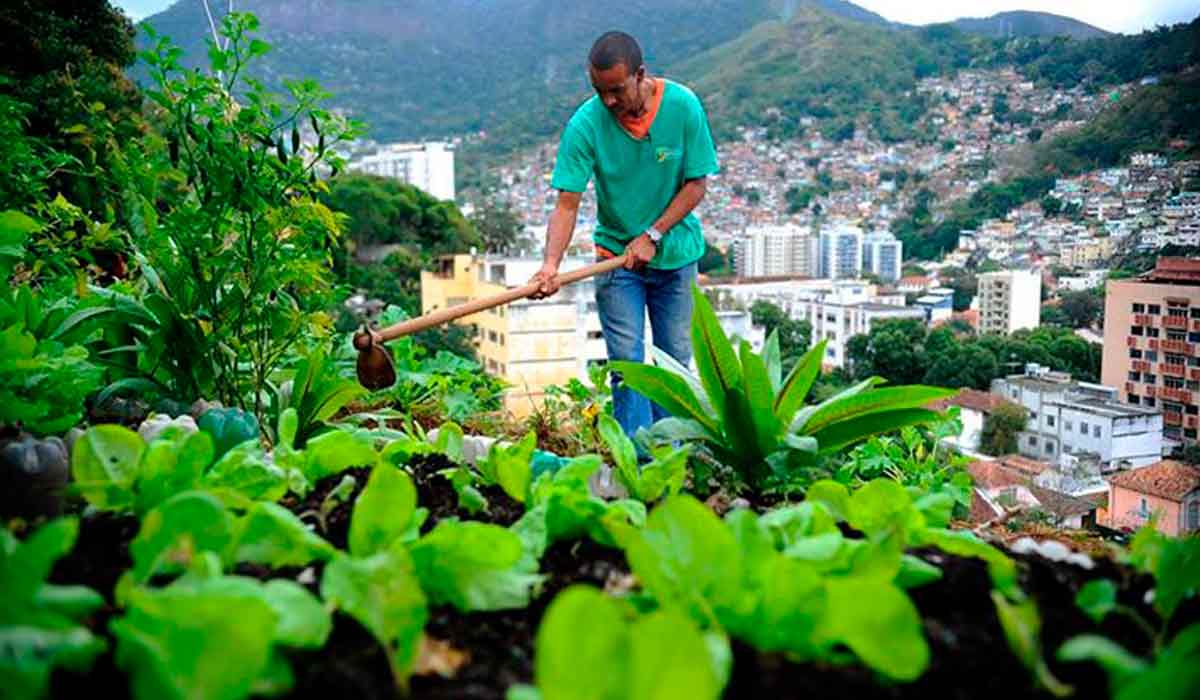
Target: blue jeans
(623, 298)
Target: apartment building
(847, 310)
(428, 166)
(1009, 300)
(1081, 420)
(883, 256)
(841, 252)
(1152, 344)
(535, 344)
(776, 250)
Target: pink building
(1168, 488)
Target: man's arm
(558, 238)
(641, 249)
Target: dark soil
(336, 525)
(100, 555)
(435, 492)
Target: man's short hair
(614, 48)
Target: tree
(714, 263)
(1083, 308)
(498, 227)
(794, 336)
(970, 366)
(894, 350)
(964, 284)
(1001, 428)
(1051, 206)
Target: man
(647, 144)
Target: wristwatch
(654, 234)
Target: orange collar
(638, 127)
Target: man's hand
(639, 252)
(547, 280)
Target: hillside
(1023, 23)
(428, 68)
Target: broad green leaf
(450, 441)
(915, 572)
(289, 423)
(1175, 674)
(1117, 662)
(304, 623)
(742, 438)
(781, 605)
(104, 465)
(474, 566)
(938, 508)
(1097, 598)
(802, 416)
(846, 432)
(243, 470)
(1022, 624)
(876, 400)
(1177, 576)
(669, 659)
(882, 507)
(583, 648)
(717, 364)
(31, 653)
(383, 511)
(25, 566)
(619, 445)
(177, 642)
(687, 556)
(333, 453)
(667, 390)
(663, 476)
(663, 359)
(834, 496)
(511, 466)
(798, 383)
(879, 624)
(272, 535)
(383, 594)
(760, 396)
(72, 602)
(963, 543)
(172, 465)
(771, 359)
(174, 532)
(672, 430)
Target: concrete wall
(1125, 510)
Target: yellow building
(1087, 252)
(529, 344)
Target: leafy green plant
(175, 642)
(318, 392)
(228, 427)
(325, 455)
(751, 418)
(1171, 671)
(233, 242)
(659, 655)
(475, 566)
(661, 476)
(40, 623)
(561, 507)
(913, 459)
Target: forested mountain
(1004, 25)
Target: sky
(1125, 16)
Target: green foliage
(41, 623)
(318, 392)
(381, 592)
(793, 337)
(1022, 624)
(235, 244)
(510, 466)
(658, 655)
(475, 566)
(662, 476)
(43, 383)
(750, 416)
(383, 511)
(1001, 428)
(915, 460)
(561, 507)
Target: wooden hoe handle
(363, 340)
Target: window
(1135, 353)
(1155, 310)
(1191, 409)
(595, 335)
(1134, 399)
(1135, 376)
(1148, 401)
(1083, 427)
(1144, 510)
(1149, 378)
(1176, 312)
(1189, 433)
(1137, 330)
(1095, 431)
(1033, 415)
(1193, 385)
(1172, 407)
(1151, 355)
(1050, 421)
(1172, 359)
(1139, 308)
(1193, 337)
(1176, 335)
(1152, 333)
(1196, 312)
(1193, 509)
(1194, 362)
(1067, 426)
(1049, 448)
(1015, 393)
(1032, 441)
(1173, 382)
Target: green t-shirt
(637, 178)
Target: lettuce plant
(1171, 671)
(623, 656)
(40, 623)
(752, 418)
(210, 635)
(562, 507)
(663, 475)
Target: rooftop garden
(200, 501)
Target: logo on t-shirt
(662, 154)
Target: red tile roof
(1166, 479)
(1174, 270)
(1061, 504)
(994, 475)
(976, 400)
(1024, 465)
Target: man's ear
(641, 72)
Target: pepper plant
(751, 417)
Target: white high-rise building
(1009, 300)
(841, 252)
(428, 166)
(771, 251)
(883, 256)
